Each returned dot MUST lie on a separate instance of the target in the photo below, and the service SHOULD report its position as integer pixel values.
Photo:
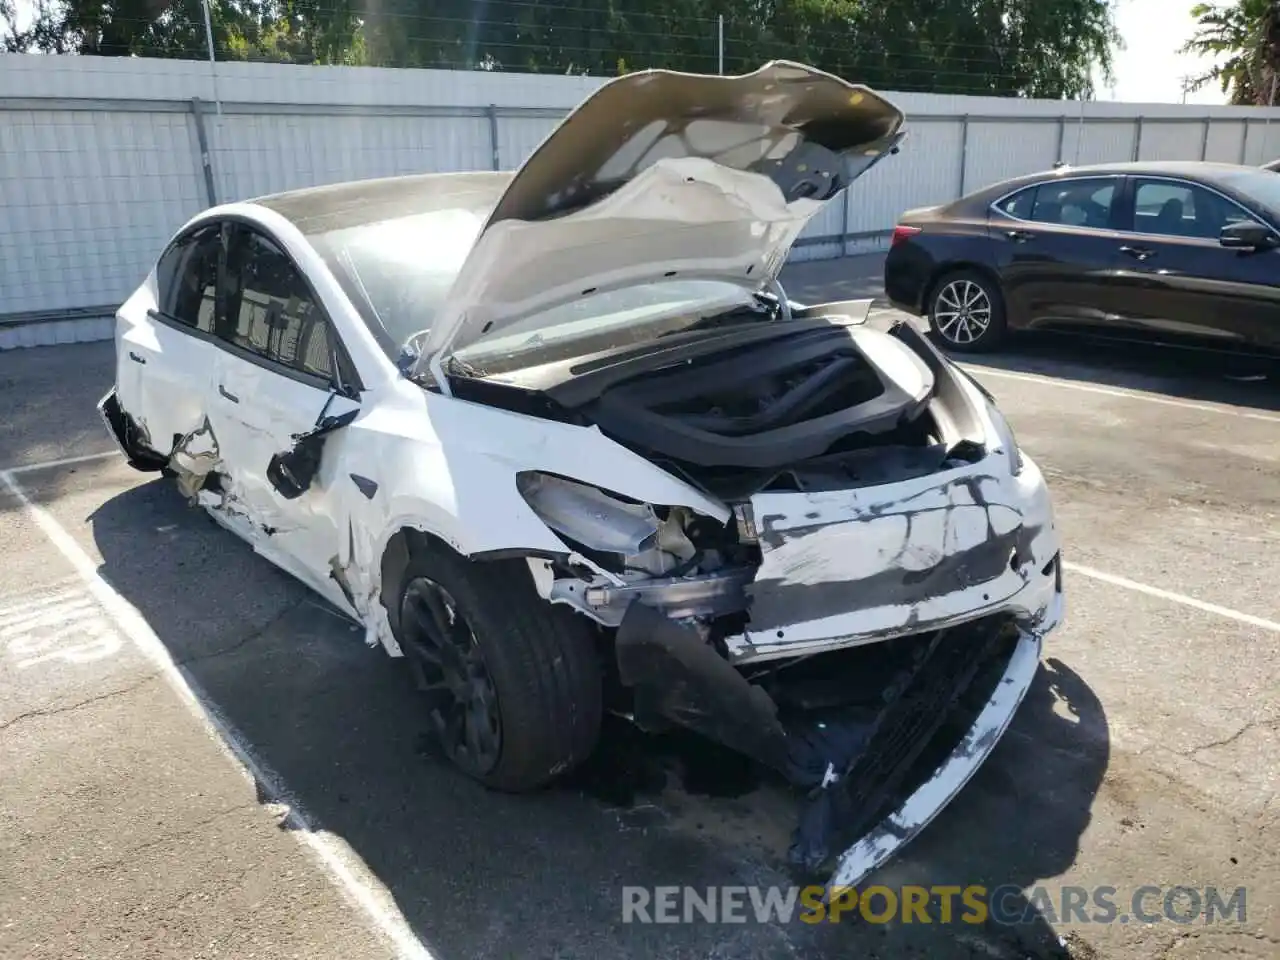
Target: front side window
(186, 278)
(1174, 209)
(270, 310)
(1075, 203)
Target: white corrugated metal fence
(101, 159)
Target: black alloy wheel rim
(449, 667)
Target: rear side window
(1019, 204)
(270, 310)
(1078, 203)
(186, 278)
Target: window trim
(1119, 178)
(347, 372)
(1183, 182)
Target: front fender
(447, 468)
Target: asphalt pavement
(147, 658)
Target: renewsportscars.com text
(974, 904)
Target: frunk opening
(828, 407)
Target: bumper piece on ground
(878, 737)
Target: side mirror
(291, 473)
(1247, 235)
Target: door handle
(230, 396)
(136, 358)
(1019, 236)
(1138, 253)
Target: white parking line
(1126, 394)
(1181, 598)
(342, 867)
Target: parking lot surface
(199, 758)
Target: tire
(532, 671)
(966, 312)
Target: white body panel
(160, 370)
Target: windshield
(398, 272)
(602, 321)
(1260, 186)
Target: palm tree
(1246, 33)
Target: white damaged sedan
(559, 439)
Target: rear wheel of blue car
(511, 684)
(966, 312)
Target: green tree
(1039, 48)
(1239, 36)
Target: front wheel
(512, 685)
(966, 312)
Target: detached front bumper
(928, 800)
(875, 770)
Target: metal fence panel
(1224, 144)
(519, 136)
(927, 171)
(1096, 141)
(1009, 148)
(1168, 140)
(87, 199)
(1262, 143)
(260, 154)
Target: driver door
(280, 369)
(1178, 278)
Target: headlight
(589, 516)
(1008, 442)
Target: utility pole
(213, 62)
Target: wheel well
(409, 542)
(406, 543)
(951, 268)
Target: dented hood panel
(661, 174)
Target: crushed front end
(869, 614)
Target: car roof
(1202, 169)
(338, 206)
(1207, 171)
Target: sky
(1149, 70)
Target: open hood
(660, 175)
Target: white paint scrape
(342, 866)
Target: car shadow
(479, 873)
(1175, 370)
